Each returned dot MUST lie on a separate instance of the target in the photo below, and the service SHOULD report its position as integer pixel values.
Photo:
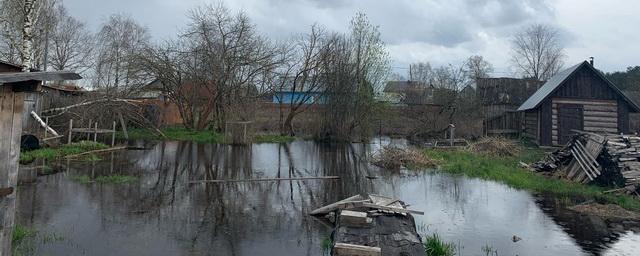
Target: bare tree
(477, 67)
(421, 71)
(71, 44)
(537, 52)
(217, 67)
(300, 76)
(119, 41)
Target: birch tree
(120, 40)
(25, 24)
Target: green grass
(272, 138)
(20, 233)
(434, 246)
(62, 151)
(507, 170)
(111, 179)
(179, 134)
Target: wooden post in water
(113, 134)
(70, 131)
(124, 126)
(89, 130)
(95, 132)
(11, 107)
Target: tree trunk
(27, 34)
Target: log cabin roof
(558, 80)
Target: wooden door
(570, 117)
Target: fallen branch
(267, 179)
(43, 124)
(85, 103)
(96, 151)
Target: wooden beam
(266, 179)
(11, 107)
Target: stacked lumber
(603, 159)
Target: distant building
(287, 95)
(578, 98)
(408, 93)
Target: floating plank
(335, 206)
(342, 249)
(392, 209)
(266, 179)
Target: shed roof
(14, 77)
(403, 86)
(556, 81)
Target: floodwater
(163, 214)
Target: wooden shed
(13, 86)
(578, 98)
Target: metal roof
(14, 77)
(556, 81)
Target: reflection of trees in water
(231, 217)
(592, 233)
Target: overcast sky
(438, 31)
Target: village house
(500, 99)
(408, 93)
(287, 95)
(578, 98)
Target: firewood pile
(607, 160)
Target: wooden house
(578, 98)
(500, 99)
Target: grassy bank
(507, 170)
(61, 151)
(206, 136)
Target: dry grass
(393, 158)
(606, 211)
(494, 146)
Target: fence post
(95, 132)
(70, 130)
(113, 134)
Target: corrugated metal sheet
(548, 88)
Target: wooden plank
(582, 148)
(266, 179)
(601, 124)
(11, 108)
(601, 114)
(600, 130)
(354, 218)
(585, 102)
(392, 209)
(334, 206)
(342, 249)
(96, 152)
(580, 161)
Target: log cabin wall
(600, 116)
(530, 129)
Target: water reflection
(163, 214)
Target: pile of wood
(603, 159)
(372, 225)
